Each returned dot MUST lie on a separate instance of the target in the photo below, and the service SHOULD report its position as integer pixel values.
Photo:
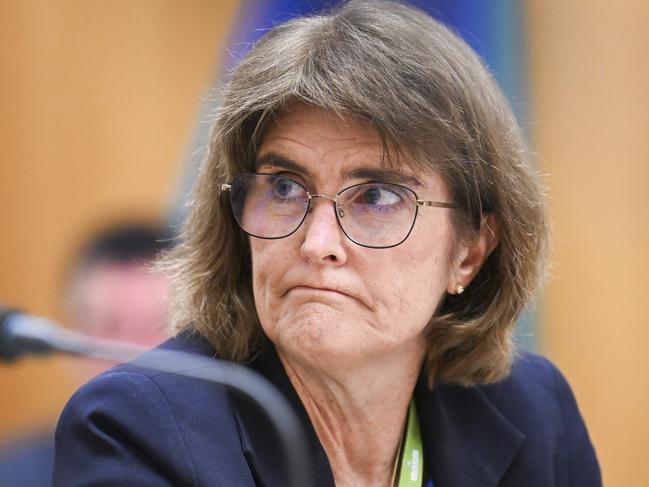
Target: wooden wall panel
(98, 101)
(590, 92)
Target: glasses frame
(227, 187)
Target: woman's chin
(317, 340)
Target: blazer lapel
(468, 442)
(259, 440)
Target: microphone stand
(26, 334)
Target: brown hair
(426, 93)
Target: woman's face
(323, 299)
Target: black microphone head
(8, 348)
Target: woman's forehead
(346, 145)
(320, 130)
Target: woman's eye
(286, 188)
(380, 196)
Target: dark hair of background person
(126, 243)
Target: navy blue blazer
(136, 427)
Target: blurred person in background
(113, 293)
(110, 292)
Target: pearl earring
(459, 289)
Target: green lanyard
(411, 463)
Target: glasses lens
(267, 205)
(377, 214)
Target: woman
(364, 233)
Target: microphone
(22, 334)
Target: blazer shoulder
(119, 428)
(533, 378)
(134, 426)
(537, 398)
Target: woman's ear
(472, 254)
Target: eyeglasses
(375, 215)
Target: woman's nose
(324, 241)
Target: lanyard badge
(411, 463)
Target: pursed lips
(325, 289)
(318, 289)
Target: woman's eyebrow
(275, 160)
(380, 174)
(385, 176)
